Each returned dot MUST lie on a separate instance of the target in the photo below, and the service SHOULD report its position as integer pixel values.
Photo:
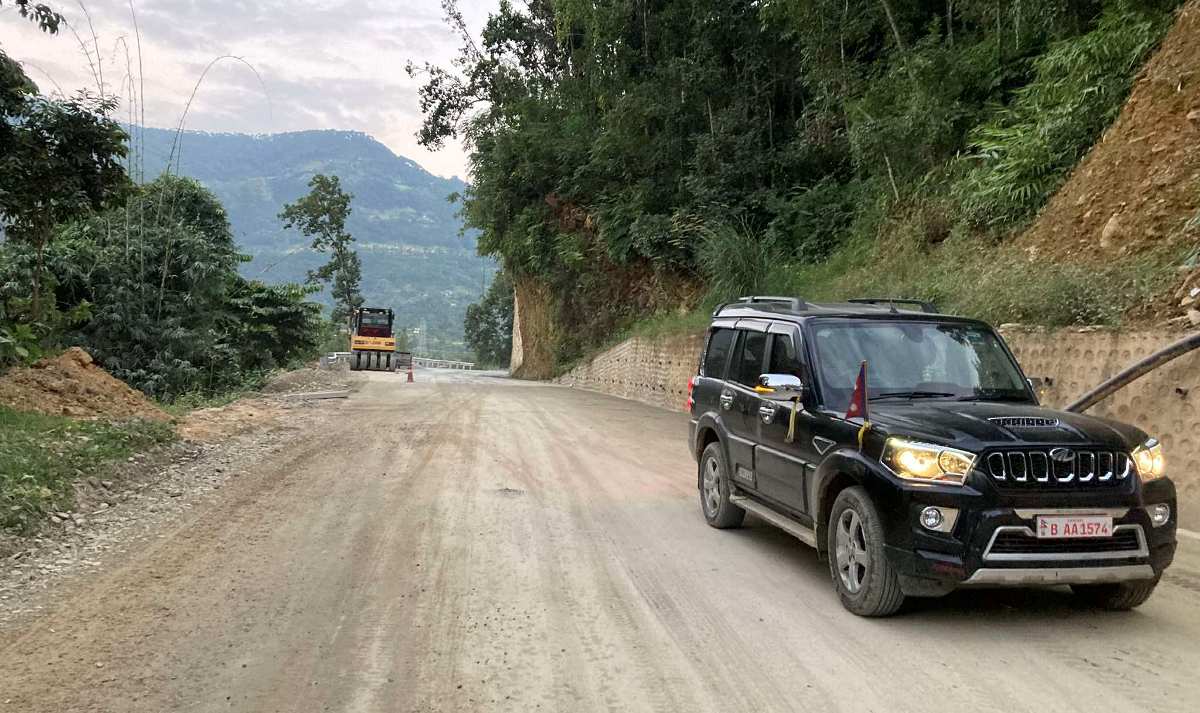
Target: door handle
(767, 412)
(726, 401)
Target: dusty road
(476, 544)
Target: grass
(998, 283)
(40, 457)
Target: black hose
(1137, 371)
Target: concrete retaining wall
(1069, 361)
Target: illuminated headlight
(925, 461)
(1148, 458)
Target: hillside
(414, 258)
(696, 151)
(1141, 181)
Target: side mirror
(781, 387)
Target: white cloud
(323, 65)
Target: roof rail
(795, 303)
(928, 307)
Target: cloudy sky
(322, 65)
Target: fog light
(932, 518)
(1159, 514)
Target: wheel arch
(840, 470)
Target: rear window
(719, 343)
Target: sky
(308, 65)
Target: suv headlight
(1149, 460)
(925, 461)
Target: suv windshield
(914, 360)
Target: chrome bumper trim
(1143, 549)
(1067, 575)
(1030, 513)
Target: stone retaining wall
(1068, 362)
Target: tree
(166, 309)
(321, 215)
(63, 161)
(45, 18)
(489, 323)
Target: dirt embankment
(71, 384)
(1140, 184)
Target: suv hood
(975, 425)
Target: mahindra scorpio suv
(935, 469)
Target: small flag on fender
(858, 404)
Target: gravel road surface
(471, 543)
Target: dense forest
(632, 157)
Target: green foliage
(1027, 147)
(165, 309)
(40, 456)
(61, 160)
(42, 15)
(321, 215)
(719, 139)
(18, 343)
(489, 323)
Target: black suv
(955, 478)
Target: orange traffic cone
(410, 374)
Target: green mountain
(407, 232)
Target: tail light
(691, 385)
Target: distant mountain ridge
(408, 234)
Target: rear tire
(865, 580)
(714, 490)
(1117, 596)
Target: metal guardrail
(443, 363)
(333, 359)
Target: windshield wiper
(910, 395)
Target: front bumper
(934, 563)
(1024, 577)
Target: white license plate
(1050, 527)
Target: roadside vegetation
(632, 159)
(41, 456)
(143, 274)
(489, 324)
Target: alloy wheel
(851, 551)
(712, 486)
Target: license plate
(1050, 527)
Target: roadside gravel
(128, 503)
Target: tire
(1117, 596)
(714, 490)
(356, 361)
(865, 580)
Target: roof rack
(795, 304)
(928, 307)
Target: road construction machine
(372, 343)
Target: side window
(747, 367)
(720, 341)
(784, 359)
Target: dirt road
(475, 544)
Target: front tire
(864, 578)
(714, 490)
(1117, 596)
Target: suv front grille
(1058, 467)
